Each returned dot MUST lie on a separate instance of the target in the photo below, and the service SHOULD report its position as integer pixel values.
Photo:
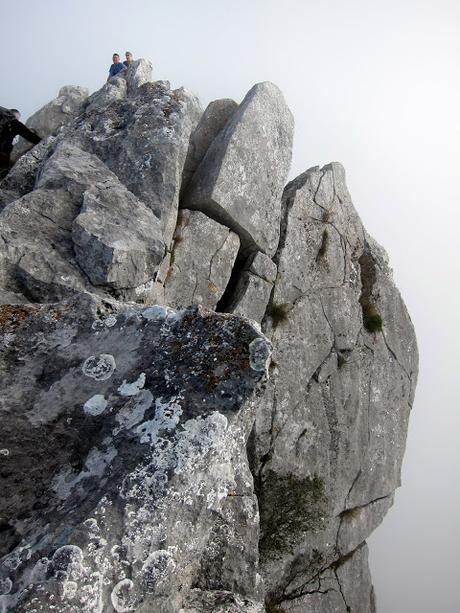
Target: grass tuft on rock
(279, 313)
(372, 319)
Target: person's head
(116, 58)
(129, 57)
(16, 113)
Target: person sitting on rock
(10, 127)
(116, 67)
(129, 59)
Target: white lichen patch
(8, 338)
(95, 466)
(131, 389)
(259, 354)
(17, 557)
(110, 321)
(156, 570)
(122, 599)
(5, 586)
(157, 313)
(162, 313)
(167, 415)
(198, 437)
(69, 590)
(99, 367)
(95, 405)
(68, 559)
(133, 411)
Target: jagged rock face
(143, 445)
(144, 140)
(213, 120)
(241, 178)
(331, 433)
(150, 464)
(201, 263)
(253, 288)
(69, 103)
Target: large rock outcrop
(68, 104)
(231, 453)
(241, 178)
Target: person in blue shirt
(116, 67)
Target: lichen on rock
(206, 381)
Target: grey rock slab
(213, 120)
(252, 292)
(358, 522)
(321, 235)
(330, 435)
(251, 297)
(213, 601)
(201, 262)
(241, 178)
(36, 251)
(72, 169)
(22, 177)
(117, 238)
(138, 73)
(126, 458)
(344, 588)
(262, 266)
(144, 140)
(115, 89)
(69, 103)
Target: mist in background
(372, 85)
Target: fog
(373, 85)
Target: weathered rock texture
(241, 178)
(144, 461)
(69, 103)
(180, 459)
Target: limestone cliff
(206, 374)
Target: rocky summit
(206, 374)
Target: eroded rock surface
(331, 431)
(201, 263)
(147, 463)
(68, 104)
(144, 445)
(241, 178)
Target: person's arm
(24, 131)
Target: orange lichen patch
(14, 314)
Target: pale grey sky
(374, 85)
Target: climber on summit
(129, 59)
(116, 67)
(10, 127)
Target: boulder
(213, 120)
(143, 466)
(90, 221)
(139, 72)
(144, 141)
(116, 237)
(253, 289)
(241, 178)
(201, 261)
(21, 178)
(126, 459)
(69, 103)
(115, 89)
(344, 588)
(36, 251)
(327, 447)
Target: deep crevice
(228, 301)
